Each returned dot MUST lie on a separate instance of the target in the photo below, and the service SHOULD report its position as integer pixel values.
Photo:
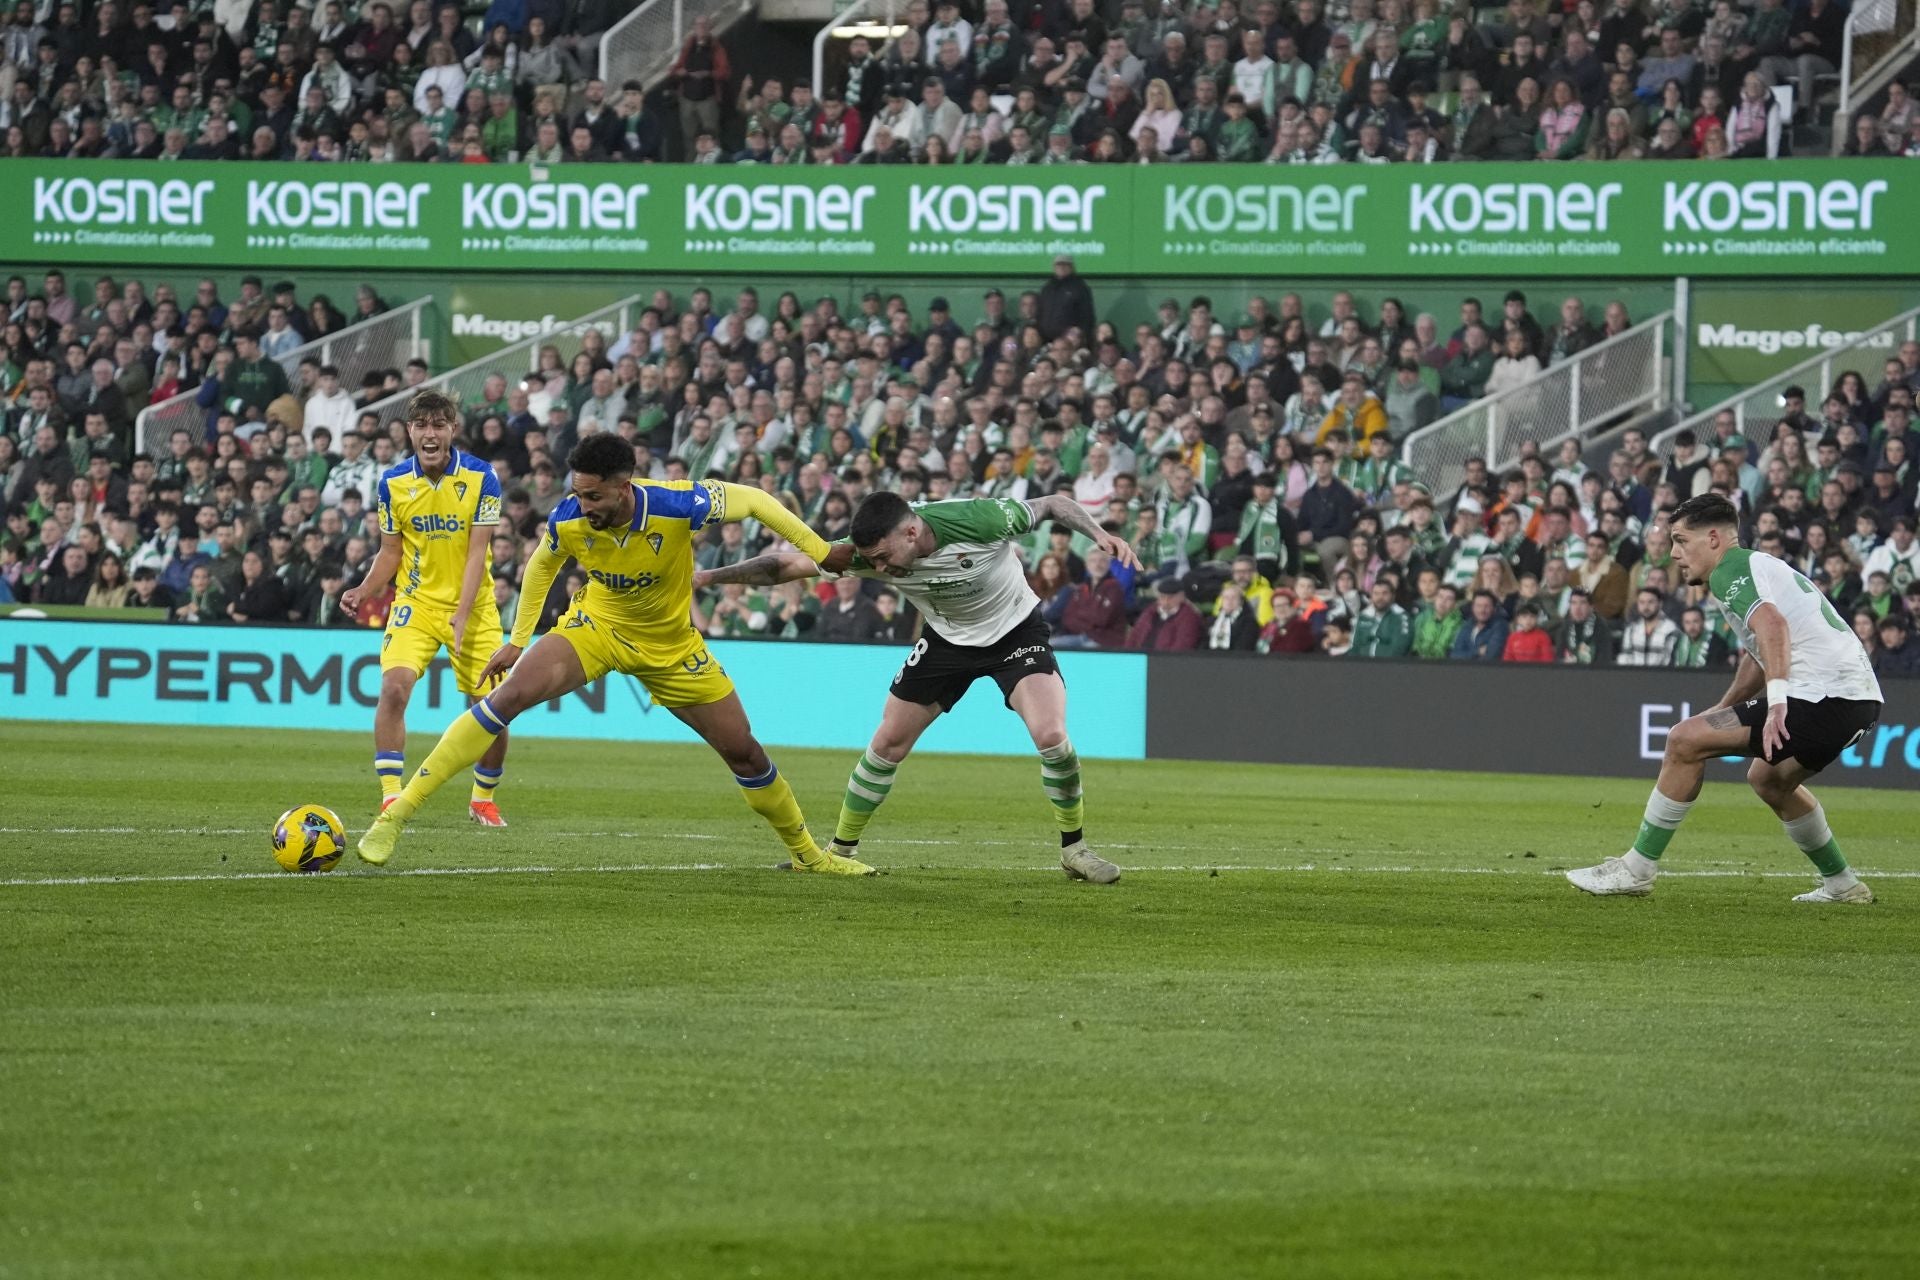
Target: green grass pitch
(644, 1053)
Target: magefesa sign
(1786, 218)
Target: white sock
(1810, 831)
(1664, 812)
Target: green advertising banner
(484, 315)
(1702, 219)
(1747, 333)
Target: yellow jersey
(640, 578)
(434, 520)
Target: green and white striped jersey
(1827, 659)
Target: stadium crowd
(1064, 81)
(1252, 463)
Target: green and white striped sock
(1060, 779)
(867, 787)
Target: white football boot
(1856, 894)
(1082, 863)
(1613, 876)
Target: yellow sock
(389, 766)
(484, 781)
(769, 796)
(467, 739)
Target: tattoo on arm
(1064, 510)
(764, 571)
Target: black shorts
(939, 671)
(1817, 732)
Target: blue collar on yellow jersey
(410, 466)
(570, 509)
(692, 505)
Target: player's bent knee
(890, 748)
(1688, 741)
(1769, 785)
(1048, 737)
(747, 761)
(396, 688)
(506, 702)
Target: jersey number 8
(913, 660)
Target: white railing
(386, 341)
(643, 45)
(859, 13)
(515, 362)
(1595, 389)
(1757, 409)
(1869, 17)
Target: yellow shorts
(684, 676)
(416, 634)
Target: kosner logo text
(328, 205)
(1002, 207)
(1772, 205)
(551, 206)
(1261, 209)
(776, 206)
(1466, 208)
(119, 202)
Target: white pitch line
(1279, 869)
(1151, 846)
(685, 835)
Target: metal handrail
(1889, 64)
(633, 18)
(1571, 371)
(846, 17)
(1824, 363)
(649, 58)
(158, 417)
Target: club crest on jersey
(460, 489)
(966, 562)
(654, 540)
(589, 542)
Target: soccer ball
(308, 838)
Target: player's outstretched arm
(479, 539)
(386, 563)
(743, 502)
(1062, 509)
(761, 571)
(536, 580)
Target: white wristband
(1776, 693)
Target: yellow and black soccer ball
(308, 838)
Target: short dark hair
(1707, 511)
(430, 405)
(602, 454)
(879, 515)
